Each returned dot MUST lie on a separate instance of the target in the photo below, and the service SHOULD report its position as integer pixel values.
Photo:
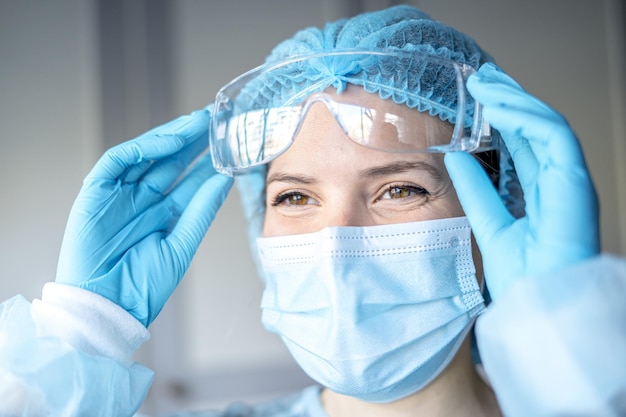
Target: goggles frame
(470, 134)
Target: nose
(347, 212)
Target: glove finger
(177, 249)
(550, 137)
(143, 221)
(198, 216)
(562, 195)
(516, 114)
(163, 174)
(129, 158)
(486, 87)
(491, 86)
(536, 135)
(198, 174)
(105, 255)
(560, 179)
(200, 133)
(524, 160)
(483, 207)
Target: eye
(293, 198)
(400, 191)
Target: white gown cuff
(88, 322)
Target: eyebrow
(398, 167)
(373, 172)
(290, 178)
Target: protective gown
(551, 346)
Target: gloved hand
(139, 218)
(561, 222)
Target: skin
(325, 179)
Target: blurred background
(79, 76)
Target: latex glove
(139, 217)
(561, 222)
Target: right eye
(293, 198)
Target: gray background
(78, 76)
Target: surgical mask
(372, 312)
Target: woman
(347, 147)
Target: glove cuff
(88, 322)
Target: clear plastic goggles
(250, 127)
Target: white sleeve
(556, 345)
(70, 354)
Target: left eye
(402, 191)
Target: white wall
(49, 131)
(208, 345)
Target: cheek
(275, 224)
(446, 204)
(271, 226)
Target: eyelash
(280, 198)
(412, 188)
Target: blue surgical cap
(426, 86)
(400, 27)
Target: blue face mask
(372, 312)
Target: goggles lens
(253, 124)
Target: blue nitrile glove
(561, 222)
(139, 217)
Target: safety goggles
(257, 116)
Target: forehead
(396, 126)
(322, 145)
(354, 94)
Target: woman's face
(325, 179)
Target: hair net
(400, 27)
(429, 86)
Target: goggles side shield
(256, 117)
